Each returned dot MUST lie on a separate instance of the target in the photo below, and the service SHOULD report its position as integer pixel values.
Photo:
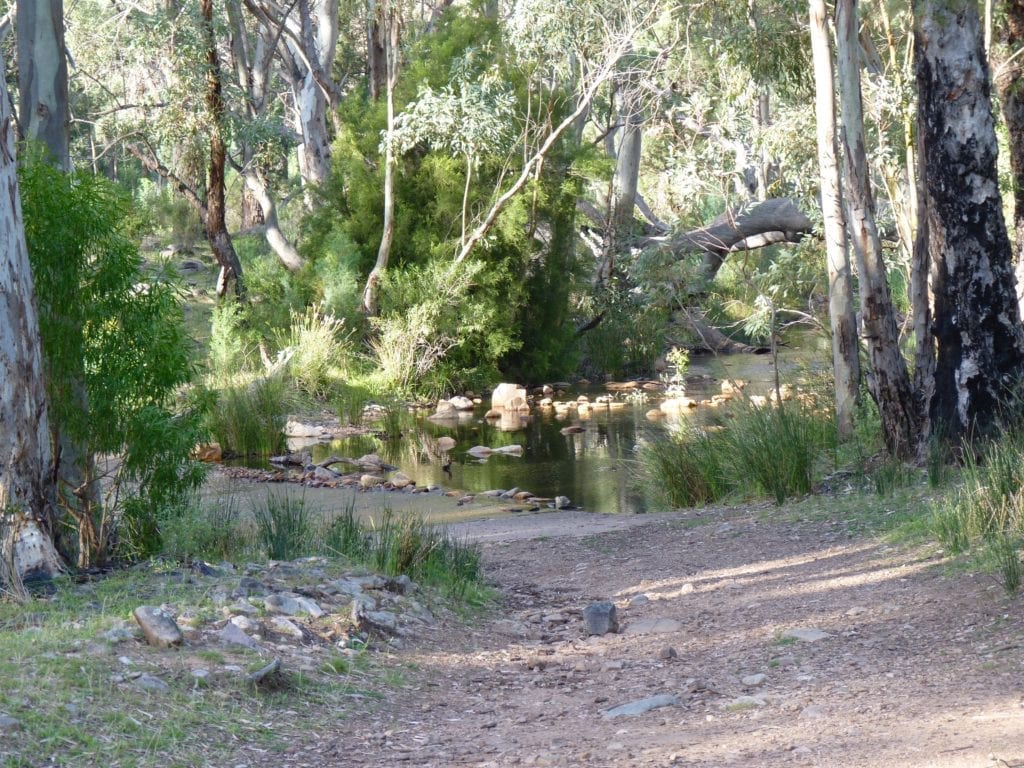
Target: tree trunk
(624, 187)
(391, 49)
(979, 340)
(43, 76)
(216, 225)
(889, 380)
(845, 350)
(27, 492)
(1010, 84)
(319, 19)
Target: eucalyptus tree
(1009, 81)
(979, 343)
(27, 494)
(43, 76)
(888, 379)
(845, 349)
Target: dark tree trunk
(216, 225)
(979, 341)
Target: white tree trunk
(889, 380)
(43, 76)
(27, 491)
(845, 351)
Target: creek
(593, 468)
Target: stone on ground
(641, 706)
(601, 618)
(160, 629)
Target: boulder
(445, 443)
(508, 397)
(480, 451)
(509, 450)
(160, 629)
(601, 618)
(562, 502)
(370, 481)
(461, 403)
(208, 452)
(400, 480)
(297, 429)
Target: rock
(265, 674)
(676, 405)
(284, 626)
(151, 683)
(296, 459)
(493, 414)
(668, 653)
(322, 473)
(510, 493)
(480, 451)
(637, 600)
(245, 624)
(492, 494)
(9, 724)
(573, 430)
(294, 428)
(248, 586)
(208, 452)
(445, 443)
(653, 627)
(444, 410)
(654, 414)
(231, 634)
(282, 604)
(510, 397)
(752, 681)
(812, 712)
(370, 620)
(562, 502)
(370, 481)
(400, 480)
(461, 403)
(808, 635)
(601, 618)
(641, 706)
(160, 629)
(509, 450)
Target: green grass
(775, 452)
(249, 419)
(284, 526)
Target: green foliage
(284, 526)
(407, 545)
(439, 326)
(248, 419)
(764, 450)
(215, 530)
(114, 343)
(318, 350)
(628, 338)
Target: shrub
(770, 450)
(319, 350)
(284, 526)
(116, 355)
(211, 531)
(249, 419)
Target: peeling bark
(979, 341)
(27, 492)
(1010, 85)
(43, 76)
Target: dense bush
(116, 355)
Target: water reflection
(592, 467)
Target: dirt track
(922, 666)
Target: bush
(210, 531)
(249, 419)
(284, 526)
(767, 450)
(319, 351)
(116, 355)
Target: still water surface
(593, 468)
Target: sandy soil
(922, 665)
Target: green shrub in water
(249, 419)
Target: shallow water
(593, 468)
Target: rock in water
(508, 396)
(160, 629)
(562, 502)
(601, 618)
